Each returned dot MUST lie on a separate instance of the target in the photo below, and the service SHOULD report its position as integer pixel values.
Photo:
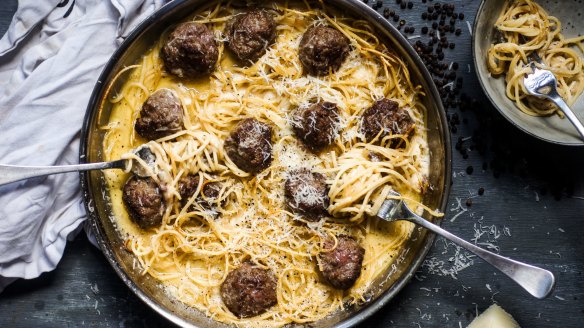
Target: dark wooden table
(531, 210)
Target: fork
(13, 173)
(538, 282)
(542, 83)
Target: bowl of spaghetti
(505, 33)
(270, 162)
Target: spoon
(13, 173)
(538, 282)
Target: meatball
(248, 290)
(306, 193)
(385, 115)
(143, 200)
(249, 145)
(342, 266)
(187, 186)
(250, 34)
(318, 125)
(161, 115)
(190, 51)
(322, 49)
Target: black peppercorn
(410, 5)
(469, 170)
(481, 191)
(424, 29)
(469, 202)
(458, 31)
(461, 16)
(451, 45)
(424, 15)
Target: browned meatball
(306, 193)
(342, 266)
(187, 186)
(250, 34)
(143, 200)
(385, 115)
(249, 145)
(190, 51)
(323, 49)
(318, 125)
(248, 290)
(161, 115)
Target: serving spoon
(537, 281)
(13, 173)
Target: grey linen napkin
(50, 59)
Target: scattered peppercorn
(481, 191)
(386, 13)
(468, 202)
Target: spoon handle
(13, 173)
(538, 282)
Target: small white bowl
(551, 128)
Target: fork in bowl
(542, 83)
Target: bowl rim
(474, 45)
(361, 9)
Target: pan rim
(359, 9)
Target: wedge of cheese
(494, 317)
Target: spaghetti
(526, 27)
(196, 247)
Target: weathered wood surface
(530, 203)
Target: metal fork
(13, 173)
(538, 282)
(542, 83)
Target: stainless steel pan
(99, 209)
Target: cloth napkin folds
(50, 59)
